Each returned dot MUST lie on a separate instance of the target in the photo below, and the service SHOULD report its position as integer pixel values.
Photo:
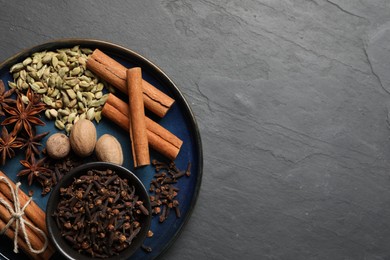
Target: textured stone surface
(291, 98)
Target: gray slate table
(291, 98)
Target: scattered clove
(163, 197)
(146, 248)
(163, 193)
(57, 169)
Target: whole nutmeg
(108, 149)
(83, 137)
(58, 146)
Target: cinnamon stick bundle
(137, 125)
(33, 213)
(21, 243)
(36, 240)
(159, 138)
(114, 73)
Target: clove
(99, 214)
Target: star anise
(8, 143)
(23, 116)
(4, 97)
(31, 143)
(34, 98)
(35, 170)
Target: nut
(83, 137)
(108, 149)
(58, 146)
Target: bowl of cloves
(98, 210)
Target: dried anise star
(8, 143)
(32, 97)
(31, 143)
(34, 169)
(4, 97)
(23, 116)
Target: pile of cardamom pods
(70, 91)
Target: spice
(83, 138)
(5, 97)
(58, 146)
(8, 143)
(24, 117)
(47, 171)
(21, 243)
(146, 248)
(159, 138)
(108, 149)
(99, 214)
(58, 169)
(137, 125)
(31, 143)
(114, 73)
(31, 97)
(63, 83)
(163, 192)
(32, 213)
(34, 169)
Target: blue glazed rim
(124, 52)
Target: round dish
(180, 121)
(55, 233)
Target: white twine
(17, 217)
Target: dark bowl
(62, 245)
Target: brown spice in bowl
(99, 213)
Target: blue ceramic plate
(179, 120)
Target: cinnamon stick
(114, 73)
(33, 211)
(116, 116)
(159, 138)
(36, 240)
(22, 244)
(157, 129)
(137, 125)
